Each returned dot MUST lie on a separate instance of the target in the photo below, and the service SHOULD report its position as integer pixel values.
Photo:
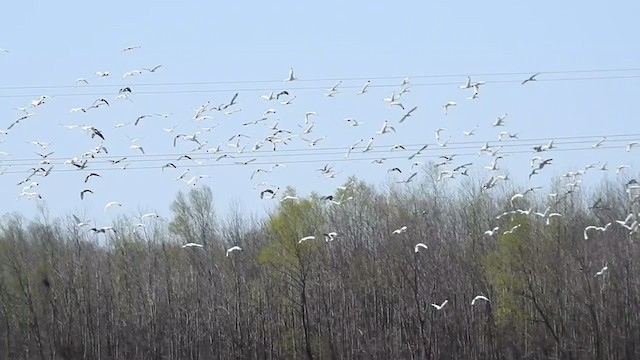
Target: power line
(322, 160)
(421, 156)
(308, 88)
(340, 150)
(257, 81)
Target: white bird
(475, 94)
(232, 249)
(187, 245)
(514, 197)
(137, 147)
(353, 122)
(352, 147)
(448, 104)
(102, 73)
(400, 231)
(368, 147)
(492, 231)
(599, 143)
(131, 73)
(330, 236)
(288, 102)
(621, 167)
(438, 131)
(597, 228)
(602, 271)
(467, 84)
(408, 114)
(289, 197)
(418, 246)
(306, 238)
(439, 307)
(385, 128)
(364, 88)
(110, 204)
(30, 186)
(470, 132)
(149, 215)
(30, 195)
(194, 179)
(631, 145)
(479, 297)
(308, 114)
(290, 77)
(269, 97)
(500, 120)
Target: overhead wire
(457, 145)
(264, 81)
(420, 155)
(304, 88)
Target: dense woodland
(69, 293)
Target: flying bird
(306, 238)
(418, 246)
(400, 230)
(84, 192)
(90, 175)
(439, 307)
(408, 114)
(129, 48)
(153, 69)
(479, 297)
(290, 77)
(110, 204)
(187, 245)
(531, 78)
(448, 104)
(232, 249)
(364, 88)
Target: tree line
(135, 293)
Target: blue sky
(249, 47)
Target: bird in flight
(232, 249)
(400, 230)
(290, 77)
(153, 69)
(531, 78)
(479, 297)
(110, 204)
(418, 246)
(129, 48)
(188, 245)
(439, 307)
(364, 88)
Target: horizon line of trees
(135, 293)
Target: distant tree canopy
(554, 289)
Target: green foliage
(193, 215)
(507, 268)
(292, 221)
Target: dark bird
(152, 69)
(90, 175)
(284, 92)
(531, 78)
(83, 192)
